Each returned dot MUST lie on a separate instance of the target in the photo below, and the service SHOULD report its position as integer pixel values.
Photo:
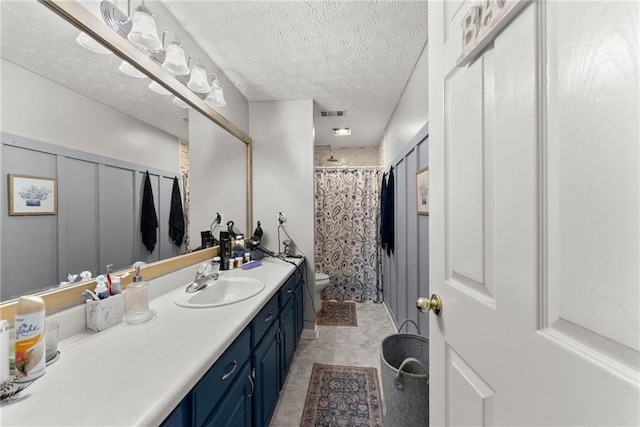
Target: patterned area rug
(342, 396)
(337, 313)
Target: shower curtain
(346, 232)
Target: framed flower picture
(422, 191)
(32, 195)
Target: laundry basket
(404, 362)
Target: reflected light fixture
(174, 58)
(158, 88)
(144, 32)
(216, 96)
(89, 43)
(341, 131)
(198, 79)
(130, 70)
(179, 103)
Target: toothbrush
(90, 295)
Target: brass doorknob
(434, 304)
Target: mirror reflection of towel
(148, 220)
(176, 215)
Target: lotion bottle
(30, 343)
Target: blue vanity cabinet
(211, 388)
(266, 364)
(180, 415)
(243, 387)
(298, 304)
(235, 409)
(287, 325)
(288, 339)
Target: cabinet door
(266, 362)
(180, 415)
(288, 343)
(299, 311)
(235, 409)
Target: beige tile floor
(336, 345)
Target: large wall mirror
(70, 114)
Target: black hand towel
(176, 216)
(389, 211)
(148, 220)
(383, 229)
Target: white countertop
(137, 374)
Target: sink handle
(228, 374)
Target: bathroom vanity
(186, 367)
(243, 386)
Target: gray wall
(98, 220)
(282, 133)
(405, 274)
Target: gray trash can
(404, 362)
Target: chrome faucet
(203, 275)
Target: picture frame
(422, 191)
(32, 195)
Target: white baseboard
(310, 334)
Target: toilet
(322, 281)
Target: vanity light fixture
(131, 71)
(341, 131)
(158, 88)
(144, 32)
(198, 79)
(87, 42)
(179, 103)
(216, 96)
(174, 58)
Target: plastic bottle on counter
(116, 285)
(30, 344)
(101, 288)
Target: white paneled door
(535, 214)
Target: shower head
(331, 158)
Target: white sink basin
(224, 291)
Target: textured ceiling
(352, 55)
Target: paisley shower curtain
(347, 208)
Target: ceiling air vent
(336, 113)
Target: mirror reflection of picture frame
(422, 191)
(32, 195)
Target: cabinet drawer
(286, 291)
(213, 385)
(263, 320)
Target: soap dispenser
(136, 299)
